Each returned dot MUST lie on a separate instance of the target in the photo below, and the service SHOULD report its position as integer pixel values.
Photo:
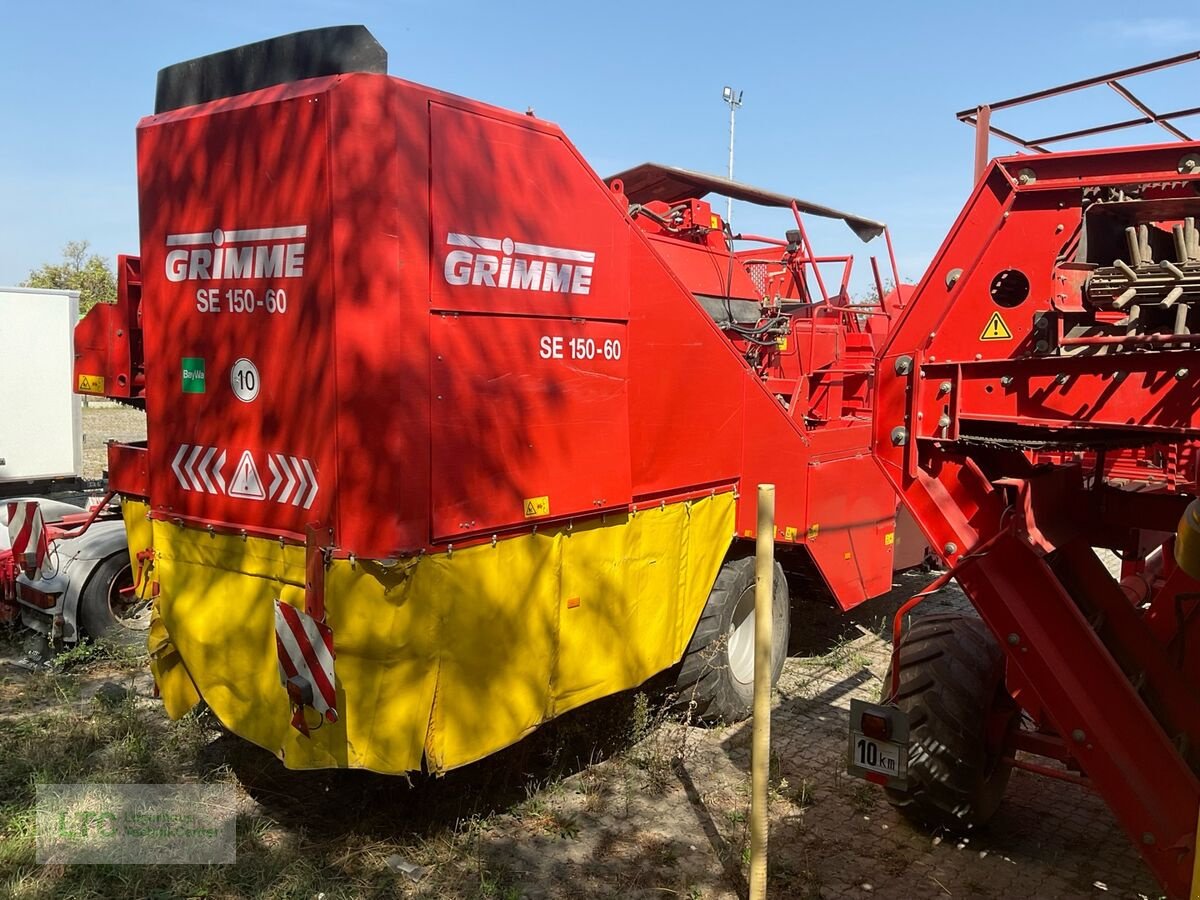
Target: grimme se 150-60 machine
(448, 436)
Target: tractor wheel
(107, 610)
(960, 721)
(716, 680)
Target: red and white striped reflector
(27, 535)
(305, 648)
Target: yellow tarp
(448, 656)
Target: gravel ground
(681, 829)
(102, 424)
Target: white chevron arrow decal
(217, 465)
(291, 480)
(187, 468)
(303, 485)
(183, 449)
(312, 477)
(276, 478)
(205, 462)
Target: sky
(846, 104)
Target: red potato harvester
(448, 436)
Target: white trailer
(85, 588)
(41, 430)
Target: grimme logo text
(513, 265)
(241, 253)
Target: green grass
(48, 735)
(86, 654)
(299, 835)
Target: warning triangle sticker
(246, 483)
(996, 329)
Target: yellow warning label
(789, 533)
(996, 329)
(813, 531)
(889, 539)
(90, 384)
(781, 343)
(537, 506)
(714, 222)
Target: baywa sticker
(193, 374)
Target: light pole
(734, 99)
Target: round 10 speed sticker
(243, 378)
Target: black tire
(714, 683)
(951, 687)
(103, 608)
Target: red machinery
(1038, 399)
(446, 435)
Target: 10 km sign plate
(878, 748)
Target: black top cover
(292, 57)
(654, 181)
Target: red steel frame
(981, 116)
(1009, 455)
(8, 587)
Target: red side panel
(774, 453)
(520, 224)
(108, 340)
(127, 471)
(852, 522)
(529, 343)
(511, 423)
(236, 263)
(686, 385)
(380, 187)
(704, 271)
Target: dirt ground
(615, 800)
(104, 423)
(837, 837)
(682, 831)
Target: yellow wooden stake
(1195, 892)
(760, 759)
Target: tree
(90, 275)
(871, 296)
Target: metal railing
(980, 118)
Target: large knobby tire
(959, 714)
(107, 611)
(716, 680)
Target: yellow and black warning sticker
(537, 506)
(90, 384)
(996, 329)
